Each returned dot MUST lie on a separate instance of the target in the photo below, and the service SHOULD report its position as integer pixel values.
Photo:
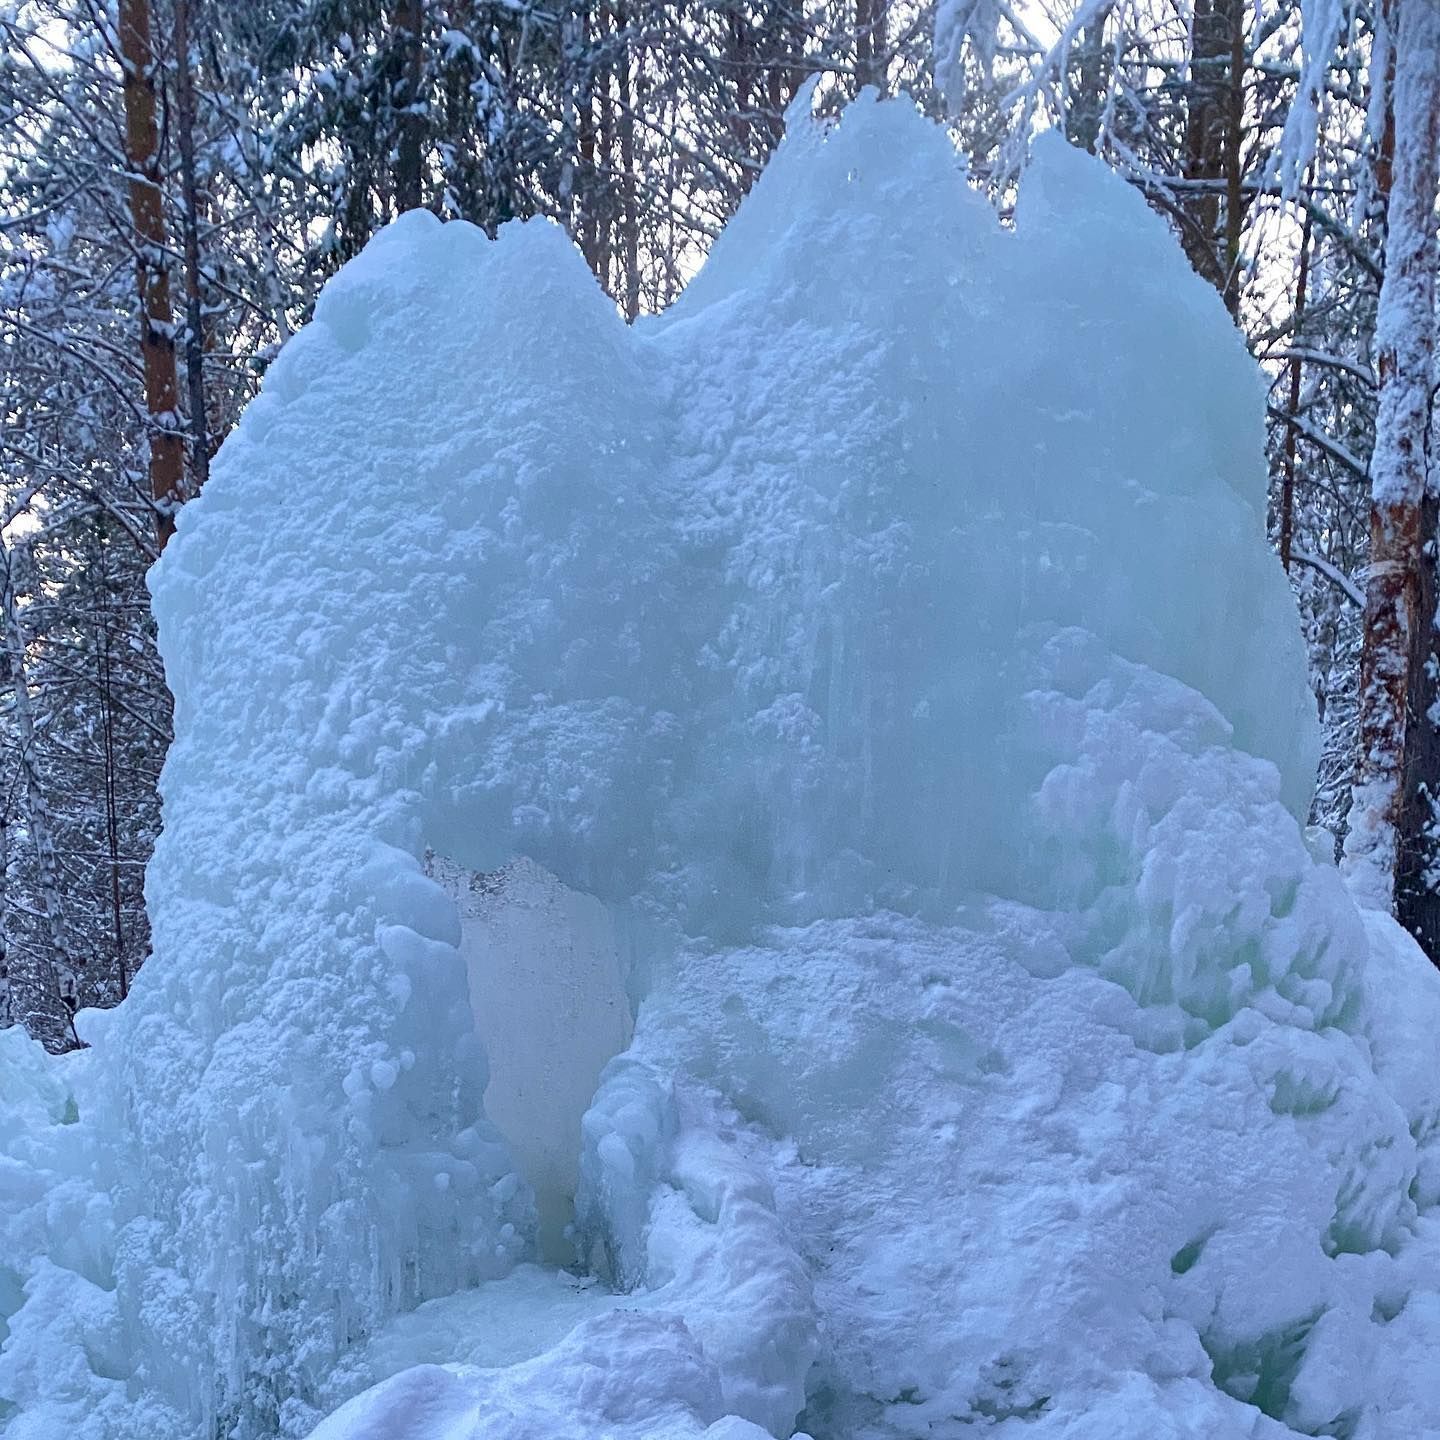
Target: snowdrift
(886, 639)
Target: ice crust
(886, 636)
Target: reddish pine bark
(147, 218)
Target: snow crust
(885, 636)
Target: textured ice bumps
(886, 636)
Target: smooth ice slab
(548, 992)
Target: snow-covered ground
(881, 655)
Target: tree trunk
(1214, 134)
(105, 685)
(65, 963)
(1390, 851)
(1287, 472)
(605, 211)
(1232, 155)
(1087, 95)
(409, 163)
(587, 220)
(1385, 160)
(190, 221)
(629, 195)
(572, 61)
(147, 218)
(871, 43)
(741, 63)
(8, 1014)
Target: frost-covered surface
(886, 636)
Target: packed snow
(875, 674)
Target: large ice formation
(886, 640)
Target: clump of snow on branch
(1322, 24)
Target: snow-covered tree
(1391, 847)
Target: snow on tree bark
(1390, 847)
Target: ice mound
(886, 638)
